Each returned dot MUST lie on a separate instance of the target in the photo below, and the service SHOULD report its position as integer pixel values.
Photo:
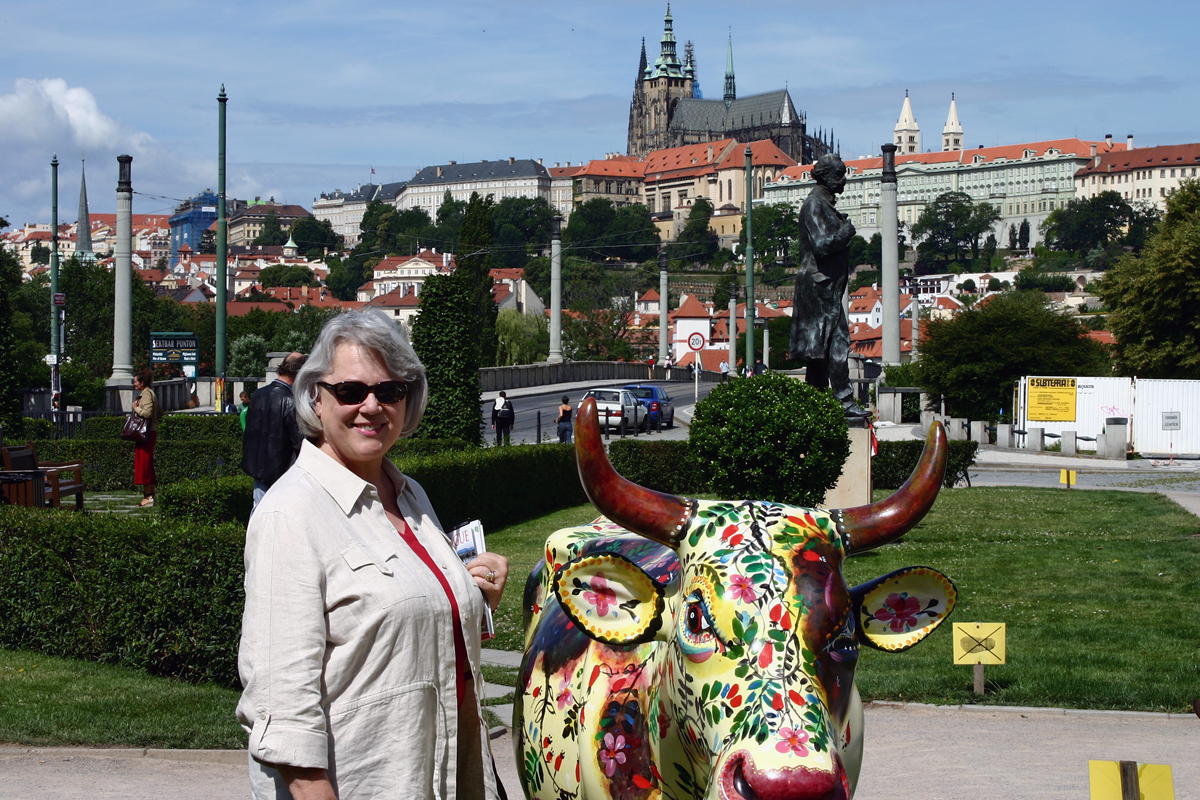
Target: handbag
(135, 428)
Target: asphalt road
(527, 406)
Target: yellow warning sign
(1154, 781)
(1067, 477)
(1051, 400)
(979, 642)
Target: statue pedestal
(854, 487)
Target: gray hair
(373, 330)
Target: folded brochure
(468, 542)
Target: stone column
(556, 356)
(122, 373)
(663, 323)
(890, 272)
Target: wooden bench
(61, 479)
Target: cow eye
(697, 620)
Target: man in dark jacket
(503, 416)
(820, 329)
(272, 439)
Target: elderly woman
(360, 639)
(146, 405)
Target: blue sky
(320, 91)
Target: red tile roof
(691, 309)
(394, 299)
(1171, 155)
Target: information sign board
(1051, 400)
(1172, 420)
(174, 348)
(979, 642)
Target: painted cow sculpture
(680, 648)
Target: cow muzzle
(740, 779)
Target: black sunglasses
(354, 392)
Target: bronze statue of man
(820, 329)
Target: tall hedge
(664, 466)
(895, 461)
(108, 463)
(177, 427)
(498, 486)
(159, 595)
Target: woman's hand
(307, 783)
(490, 571)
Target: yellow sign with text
(1051, 400)
(979, 642)
(1154, 781)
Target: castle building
(907, 131)
(667, 110)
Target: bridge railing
(493, 379)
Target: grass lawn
(56, 701)
(1098, 590)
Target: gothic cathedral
(668, 110)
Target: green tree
(1154, 296)
(522, 338)
(1012, 238)
(632, 235)
(588, 228)
(537, 275)
(988, 251)
(286, 275)
(776, 228)
(248, 356)
(449, 222)
(950, 227)
(1023, 235)
(271, 235)
(860, 251)
(39, 253)
(10, 397)
(697, 242)
(521, 226)
(1032, 280)
(975, 359)
(313, 237)
(968, 286)
(447, 340)
(474, 263)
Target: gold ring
(491, 576)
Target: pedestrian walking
(148, 407)
(272, 439)
(724, 370)
(564, 422)
(245, 408)
(503, 416)
(759, 366)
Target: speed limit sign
(696, 341)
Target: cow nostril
(740, 784)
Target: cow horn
(866, 527)
(657, 516)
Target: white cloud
(48, 110)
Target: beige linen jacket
(347, 649)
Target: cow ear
(610, 598)
(903, 607)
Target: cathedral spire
(667, 65)
(642, 65)
(908, 132)
(83, 228)
(730, 83)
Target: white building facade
(513, 177)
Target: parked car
(614, 405)
(657, 402)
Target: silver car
(615, 405)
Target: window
(1162, 173)
(1172, 173)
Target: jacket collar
(343, 486)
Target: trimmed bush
(895, 461)
(177, 427)
(102, 427)
(498, 486)
(34, 429)
(108, 464)
(770, 438)
(427, 447)
(157, 595)
(663, 466)
(208, 501)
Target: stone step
(503, 658)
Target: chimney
(446, 260)
(512, 160)
(539, 161)
(1093, 148)
(452, 163)
(1129, 142)
(710, 154)
(1108, 139)
(439, 169)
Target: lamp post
(222, 242)
(54, 328)
(556, 356)
(733, 293)
(749, 259)
(662, 306)
(890, 267)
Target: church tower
(661, 88)
(952, 134)
(83, 228)
(730, 83)
(908, 133)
